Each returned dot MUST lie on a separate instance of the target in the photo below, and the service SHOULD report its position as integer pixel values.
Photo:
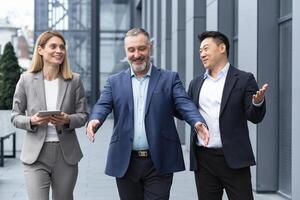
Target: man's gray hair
(137, 31)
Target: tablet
(48, 112)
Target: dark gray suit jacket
(236, 109)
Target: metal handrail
(2, 155)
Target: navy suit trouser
(143, 182)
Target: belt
(141, 153)
(52, 142)
(216, 151)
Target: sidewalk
(92, 183)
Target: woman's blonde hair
(37, 60)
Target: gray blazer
(29, 98)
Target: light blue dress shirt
(140, 89)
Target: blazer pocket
(113, 139)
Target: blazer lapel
(128, 87)
(155, 74)
(198, 86)
(62, 88)
(229, 84)
(39, 89)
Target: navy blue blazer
(236, 109)
(166, 98)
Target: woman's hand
(61, 119)
(39, 120)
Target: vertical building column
(295, 101)
(226, 22)
(95, 50)
(212, 15)
(267, 71)
(178, 51)
(135, 13)
(149, 21)
(144, 14)
(41, 23)
(195, 24)
(156, 32)
(166, 28)
(178, 38)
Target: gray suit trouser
(50, 169)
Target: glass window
(285, 94)
(114, 23)
(73, 20)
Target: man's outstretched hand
(202, 131)
(91, 128)
(260, 94)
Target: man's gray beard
(139, 68)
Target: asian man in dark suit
(227, 98)
(144, 150)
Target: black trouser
(214, 175)
(142, 182)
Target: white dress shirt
(210, 98)
(51, 93)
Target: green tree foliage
(10, 72)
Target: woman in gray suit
(50, 151)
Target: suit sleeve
(79, 118)
(104, 104)
(184, 105)
(255, 114)
(18, 114)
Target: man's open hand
(91, 128)
(202, 131)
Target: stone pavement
(92, 183)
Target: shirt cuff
(258, 104)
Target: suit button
(131, 139)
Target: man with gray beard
(144, 150)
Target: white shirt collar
(221, 73)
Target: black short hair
(217, 36)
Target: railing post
(14, 145)
(1, 152)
